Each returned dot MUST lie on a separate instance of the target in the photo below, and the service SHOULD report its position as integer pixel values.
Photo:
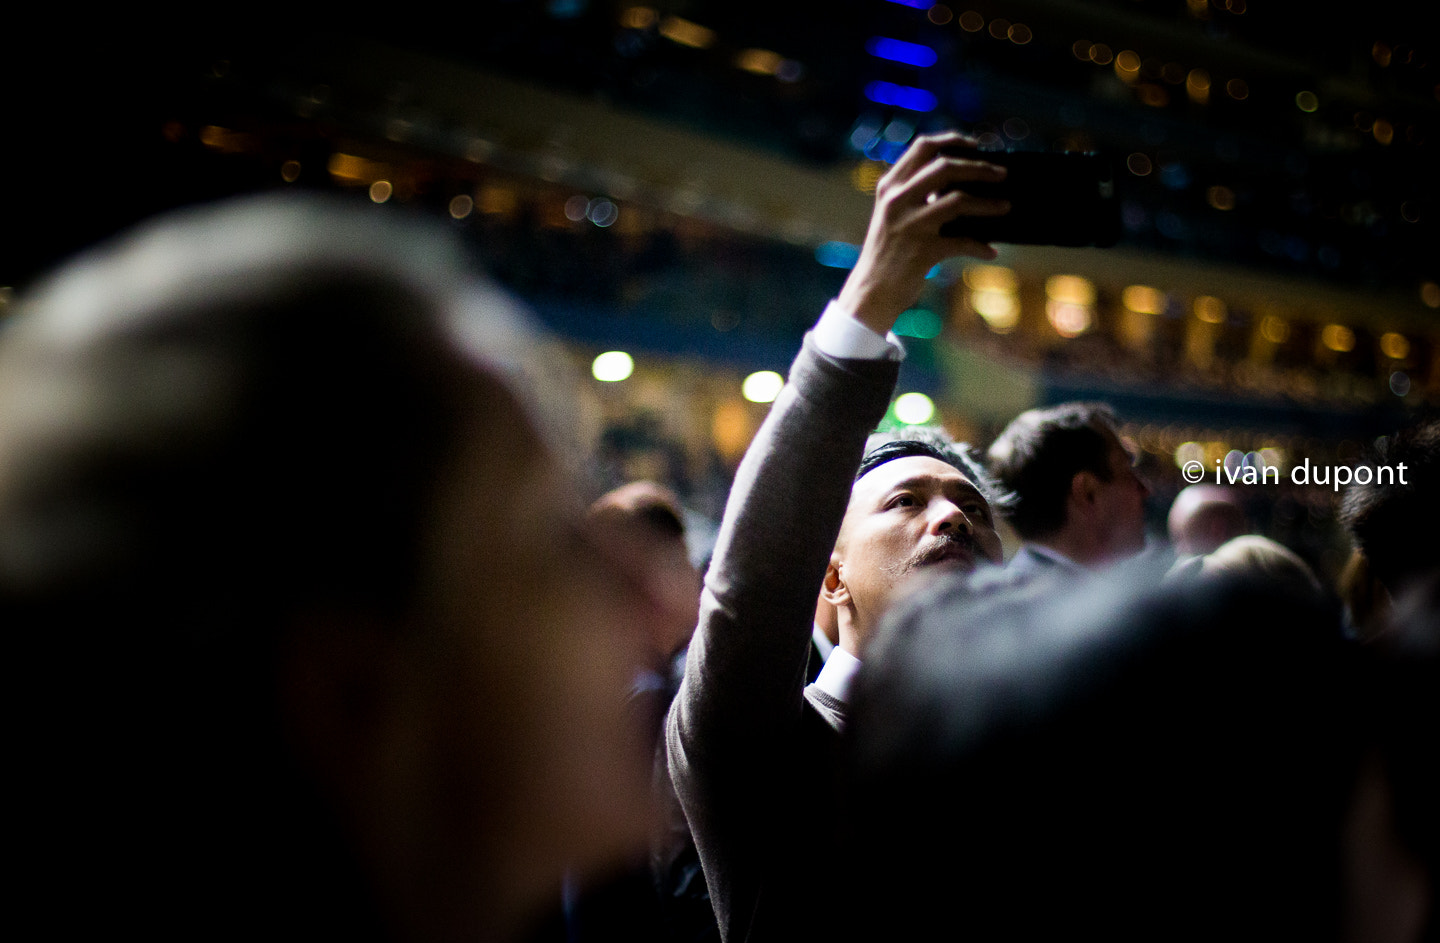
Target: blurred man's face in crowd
(1122, 500)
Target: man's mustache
(944, 546)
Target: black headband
(904, 448)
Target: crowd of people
(320, 633)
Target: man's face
(905, 515)
(1121, 503)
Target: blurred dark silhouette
(312, 640)
(1383, 514)
(1098, 758)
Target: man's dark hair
(932, 442)
(1382, 518)
(1041, 452)
(1173, 762)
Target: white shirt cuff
(839, 334)
(838, 674)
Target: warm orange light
(1274, 329)
(1394, 346)
(1143, 299)
(759, 61)
(866, 175)
(637, 18)
(1197, 86)
(1220, 198)
(461, 206)
(1338, 337)
(989, 278)
(1210, 309)
(226, 140)
(686, 33)
(1070, 288)
(358, 169)
(731, 429)
(1127, 66)
(496, 200)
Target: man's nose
(947, 516)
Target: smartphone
(1056, 199)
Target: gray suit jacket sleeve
(732, 727)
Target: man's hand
(924, 190)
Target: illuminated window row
(993, 293)
(762, 386)
(685, 32)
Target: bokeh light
(1395, 346)
(914, 408)
(762, 386)
(612, 366)
(1338, 337)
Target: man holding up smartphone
(750, 750)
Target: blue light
(1175, 176)
(899, 51)
(901, 96)
(917, 4)
(566, 9)
(881, 149)
(864, 132)
(837, 254)
(919, 322)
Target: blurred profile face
(644, 521)
(1122, 502)
(910, 514)
(534, 632)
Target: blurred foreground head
(314, 639)
(1102, 760)
(1384, 514)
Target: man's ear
(1085, 489)
(835, 592)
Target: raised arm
(731, 729)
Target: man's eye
(903, 501)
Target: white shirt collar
(838, 674)
(822, 643)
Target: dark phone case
(1060, 199)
